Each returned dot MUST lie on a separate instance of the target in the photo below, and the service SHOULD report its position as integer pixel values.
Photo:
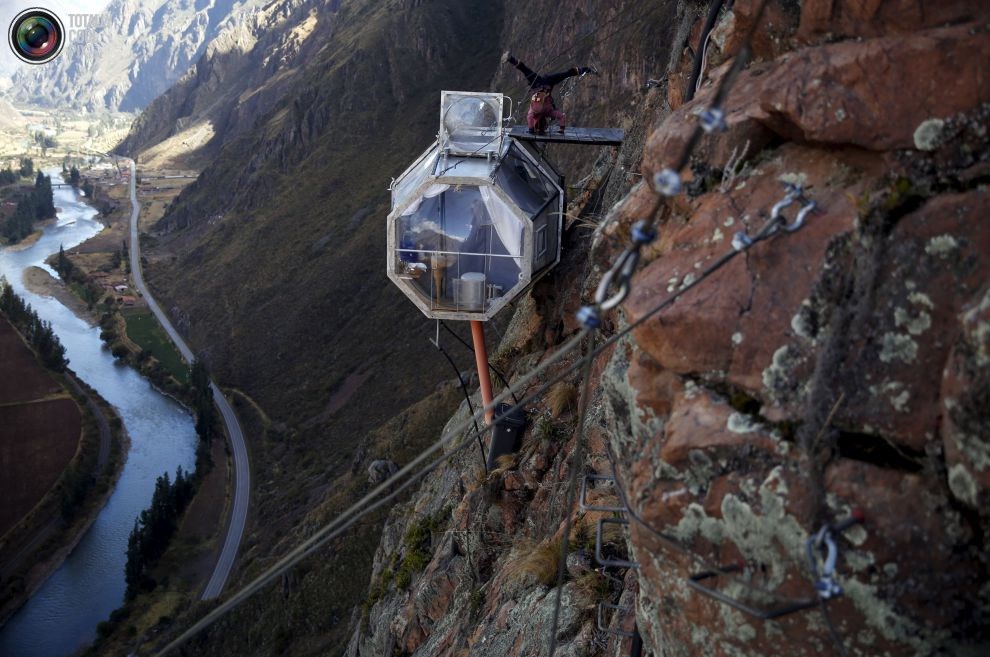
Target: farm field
(23, 379)
(40, 427)
(147, 333)
(37, 441)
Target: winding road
(242, 469)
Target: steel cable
(367, 504)
(577, 465)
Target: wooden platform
(591, 136)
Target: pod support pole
(484, 378)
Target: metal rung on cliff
(603, 626)
(583, 500)
(589, 136)
(599, 543)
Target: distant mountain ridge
(132, 54)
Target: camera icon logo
(36, 36)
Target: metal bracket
(617, 563)
(825, 584)
(600, 618)
(583, 500)
(795, 194)
(619, 582)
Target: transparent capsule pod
(469, 232)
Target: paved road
(101, 422)
(242, 469)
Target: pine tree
(134, 568)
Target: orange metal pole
(481, 359)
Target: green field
(147, 333)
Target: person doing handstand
(541, 105)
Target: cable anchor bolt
(643, 233)
(741, 241)
(824, 539)
(589, 317)
(712, 119)
(667, 182)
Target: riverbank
(29, 241)
(40, 282)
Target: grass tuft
(592, 587)
(546, 431)
(535, 562)
(562, 398)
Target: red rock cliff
(842, 366)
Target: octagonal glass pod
(466, 234)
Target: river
(63, 614)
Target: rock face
(823, 370)
(380, 470)
(161, 39)
(840, 367)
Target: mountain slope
(243, 72)
(276, 275)
(132, 54)
(272, 260)
(273, 257)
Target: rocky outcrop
(838, 368)
(819, 372)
